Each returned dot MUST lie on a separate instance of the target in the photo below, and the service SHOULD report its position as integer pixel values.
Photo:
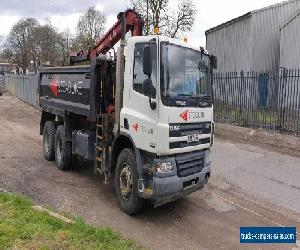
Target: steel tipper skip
(145, 119)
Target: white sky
(210, 13)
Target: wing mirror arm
(148, 88)
(152, 103)
(150, 91)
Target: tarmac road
(250, 187)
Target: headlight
(207, 159)
(164, 167)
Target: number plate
(193, 138)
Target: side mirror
(148, 88)
(202, 66)
(213, 61)
(147, 61)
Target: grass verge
(23, 228)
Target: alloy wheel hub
(125, 182)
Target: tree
(20, 43)
(30, 44)
(3, 56)
(89, 27)
(64, 41)
(49, 44)
(1, 43)
(171, 21)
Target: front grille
(182, 144)
(183, 129)
(191, 163)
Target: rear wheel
(126, 182)
(48, 140)
(63, 149)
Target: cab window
(138, 74)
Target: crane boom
(127, 21)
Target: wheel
(48, 140)
(126, 182)
(63, 149)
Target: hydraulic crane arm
(127, 21)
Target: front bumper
(166, 189)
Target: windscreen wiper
(184, 95)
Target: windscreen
(185, 73)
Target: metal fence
(269, 100)
(24, 87)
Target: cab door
(141, 119)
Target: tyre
(63, 149)
(48, 140)
(126, 182)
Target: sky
(64, 14)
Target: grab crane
(129, 20)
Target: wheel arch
(46, 116)
(121, 142)
(62, 119)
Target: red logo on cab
(184, 115)
(135, 127)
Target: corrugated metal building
(289, 43)
(251, 41)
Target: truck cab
(171, 124)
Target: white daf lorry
(145, 119)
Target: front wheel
(126, 182)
